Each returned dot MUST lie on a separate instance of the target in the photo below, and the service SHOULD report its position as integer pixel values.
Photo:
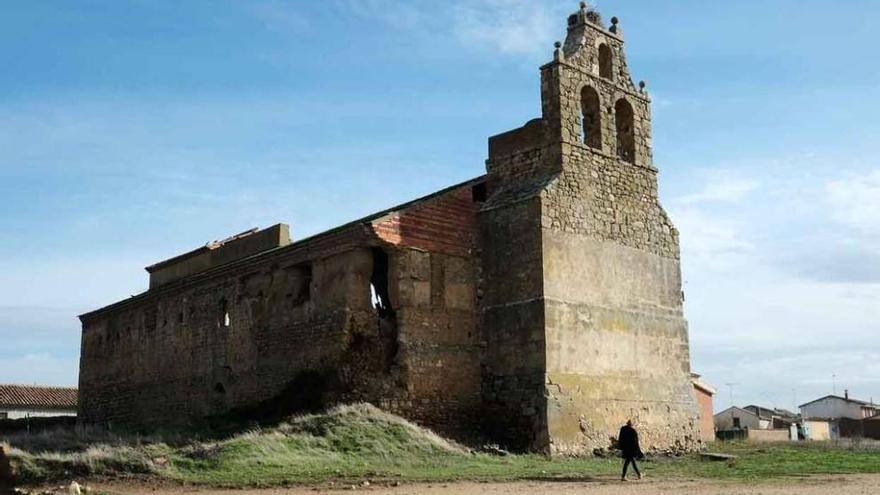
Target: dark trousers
(626, 463)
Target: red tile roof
(42, 397)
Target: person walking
(628, 441)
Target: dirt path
(820, 485)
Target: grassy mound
(353, 441)
(346, 442)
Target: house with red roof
(26, 401)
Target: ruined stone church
(539, 304)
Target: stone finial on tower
(558, 55)
(615, 27)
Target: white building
(23, 401)
(773, 418)
(833, 407)
(736, 418)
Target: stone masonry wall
(511, 288)
(297, 324)
(227, 343)
(617, 345)
(598, 271)
(512, 322)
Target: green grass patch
(351, 443)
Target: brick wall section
(707, 418)
(445, 224)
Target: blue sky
(132, 131)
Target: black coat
(628, 441)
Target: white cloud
(509, 26)
(780, 288)
(708, 240)
(722, 186)
(855, 201)
(713, 238)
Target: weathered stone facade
(540, 303)
(299, 320)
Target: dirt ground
(819, 485)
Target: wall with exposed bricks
(301, 317)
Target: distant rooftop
(38, 397)
(767, 412)
(845, 399)
(698, 382)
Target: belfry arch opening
(626, 139)
(591, 117)
(606, 65)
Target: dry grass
(361, 442)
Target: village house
(773, 418)
(704, 394)
(25, 401)
(754, 424)
(835, 407)
(736, 418)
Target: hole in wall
(299, 284)
(219, 388)
(479, 192)
(223, 319)
(380, 298)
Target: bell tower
(581, 309)
(588, 96)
